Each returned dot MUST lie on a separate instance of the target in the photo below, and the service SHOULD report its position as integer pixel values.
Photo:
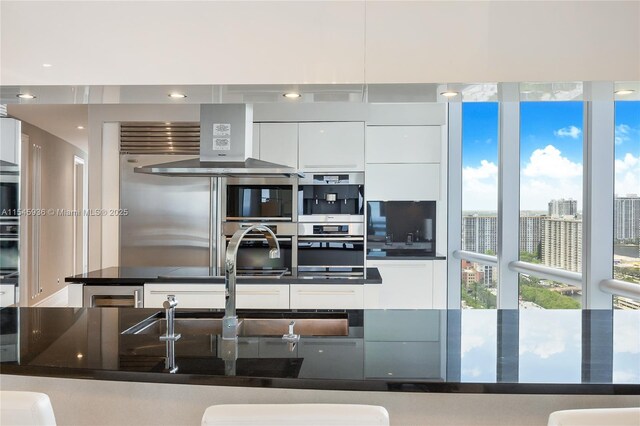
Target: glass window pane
(550, 195)
(479, 176)
(479, 286)
(626, 233)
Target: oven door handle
(331, 240)
(260, 239)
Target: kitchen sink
(199, 325)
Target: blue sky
(550, 152)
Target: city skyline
(551, 153)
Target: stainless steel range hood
(226, 141)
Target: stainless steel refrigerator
(169, 220)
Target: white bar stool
(596, 417)
(295, 414)
(26, 409)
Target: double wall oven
(270, 202)
(331, 221)
(318, 220)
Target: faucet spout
(230, 321)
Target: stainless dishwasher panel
(116, 296)
(168, 218)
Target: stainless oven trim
(288, 229)
(306, 229)
(258, 219)
(353, 218)
(331, 239)
(260, 239)
(355, 178)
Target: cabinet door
(279, 143)
(257, 296)
(9, 140)
(331, 146)
(403, 182)
(326, 296)
(331, 358)
(406, 284)
(205, 296)
(403, 144)
(7, 295)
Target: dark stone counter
(469, 351)
(205, 275)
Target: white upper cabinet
(9, 140)
(403, 144)
(402, 182)
(331, 146)
(279, 143)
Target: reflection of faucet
(230, 320)
(170, 336)
(291, 338)
(229, 354)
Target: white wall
(94, 402)
(56, 235)
(224, 42)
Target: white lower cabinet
(407, 284)
(256, 296)
(188, 295)
(7, 294)
(326, 296)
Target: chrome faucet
(230, 320)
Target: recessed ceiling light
(624, 91)
(80, 127)
(46, 65)
(26, 96)
(292, 95)
(177, 95)
(449, 94)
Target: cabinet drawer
(7, 295)
(188, 295)
(403, 144)
(255, 296)
(328, 358)
(327, 296)
(406, 284)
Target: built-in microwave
(258, 200)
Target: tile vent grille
(179, 138)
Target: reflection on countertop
(545, 351)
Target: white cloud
(623, 129)
(480, 186)
(628, 175)
(549, 162)
(568, 132)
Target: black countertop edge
(328, 384)
(215, 280)
(9, 281)
(436, 257)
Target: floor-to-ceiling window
(479, 202)
(626, 207)
(550, 234)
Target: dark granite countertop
(205, 275)
(468, 351)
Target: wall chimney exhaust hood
(226, 142)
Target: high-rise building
(562, 207)
(562, 243)
(531, 233)
(627, 218)
(480, 233)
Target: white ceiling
(59, 120)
